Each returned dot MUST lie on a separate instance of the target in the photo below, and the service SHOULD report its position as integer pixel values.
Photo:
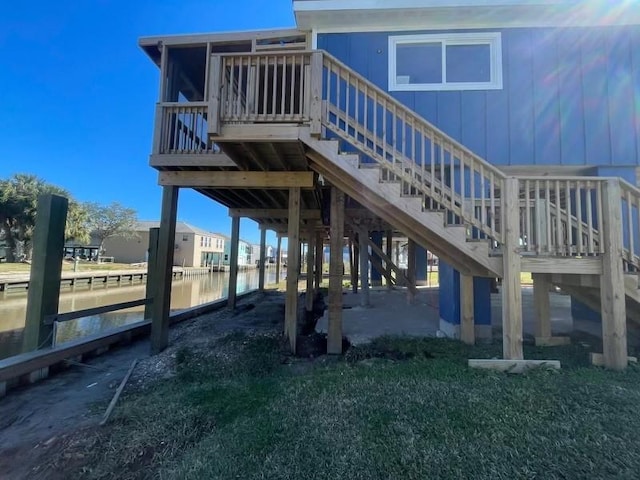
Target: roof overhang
(152, 45)
(371, 15)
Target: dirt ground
(40, 425)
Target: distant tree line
(18, 202)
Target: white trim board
(361, 16)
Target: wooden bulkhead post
(164, 270)
(46, 269)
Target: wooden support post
(310, 257)
(334, 336)
(612, 288)
(293, 260)
(278, 257)
(388, 250)
(511, 289)
(315, 97)
(319, 259)
(164, 270)
(411, 270)
(541, 305)
(356, 262)
(233, 262)
(351, 266)
(152, 271)
(363, 235)
(263, 257)
(467, 323)
(214, 103)
(46, 269)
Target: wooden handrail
(426, 160)
(413, 115)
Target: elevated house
(500, 135)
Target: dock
(71, 279)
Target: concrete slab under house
(499, 136)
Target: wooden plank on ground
(597, 359)
(552, 341)
(513, 366)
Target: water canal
(185, 293)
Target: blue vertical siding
(546, 108)
(570, 96)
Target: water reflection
(185, 293)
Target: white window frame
(493, 39)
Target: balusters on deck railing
(184, 129)
(561, 216)
(264, 87)
(410, 150)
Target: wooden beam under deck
(211, 160)
(272, 213)
(247, 180)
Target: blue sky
(78, 94)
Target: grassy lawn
(17, 268)
(397, 409)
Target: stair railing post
(511, 288)
(215, 87)
(612, 289)
(315, 97)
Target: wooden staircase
(329, 119)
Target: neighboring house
(244, 253)
(194, 247)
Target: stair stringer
(586, 288)
(426, 228)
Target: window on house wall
(452, 61)
(185, 238)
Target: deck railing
(263, 87)
(561, 216)
(183, 129)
